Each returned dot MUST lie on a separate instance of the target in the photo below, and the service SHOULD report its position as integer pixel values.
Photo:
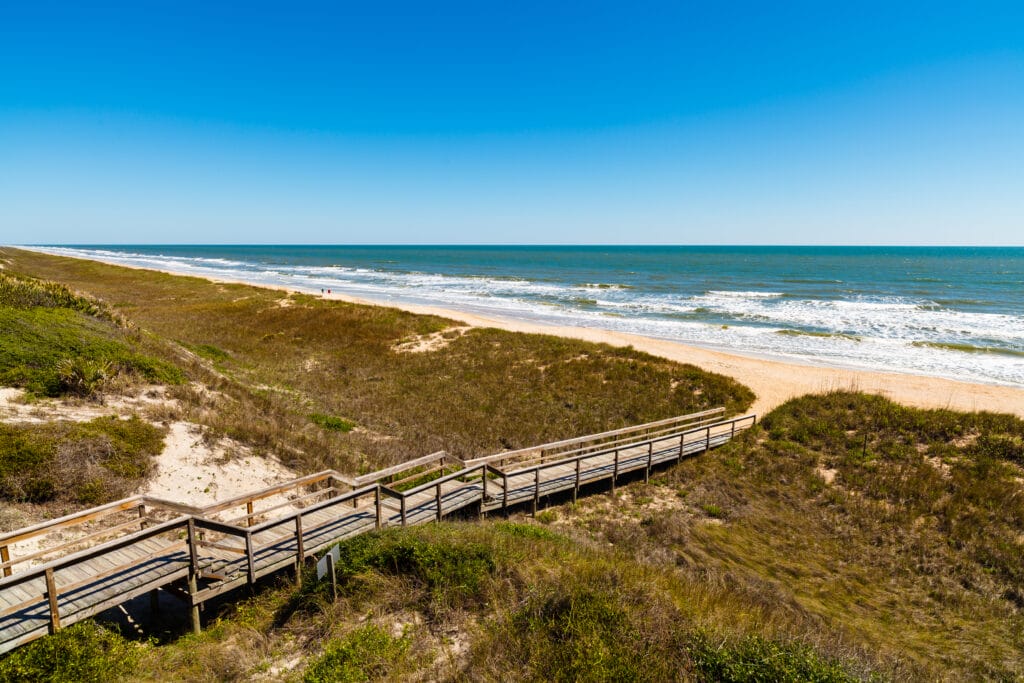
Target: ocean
(945, 312)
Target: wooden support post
(250, 557)
(615, 470)
(707, 441)
(334, 577)
(483, 490)
(248, 511)
(5, 556)
(300, 549)
(142, 516)
(504, 496)
(51, 598)
(403, 510)
(650, 461)
(437, 499)
(536, 490)
(376, 504)
(193, 588)
(193, 576)
(576, 486)
(682, 440)
(733, 429)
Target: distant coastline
(942, 312)
(773, 381)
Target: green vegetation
(367, 653)
(332, 422)
(84, 653)
(56, 342)
(86, 462)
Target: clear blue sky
(512, 122)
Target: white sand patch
(829, 475)
(430, 342)
(13, 407)
(190, 471)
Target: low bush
(366, 654)
(88, 462)
(86, 652)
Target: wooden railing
(292, 535)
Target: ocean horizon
(953, 312)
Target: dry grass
(273, 366)
(912, 551)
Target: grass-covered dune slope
(292, 373)
(846, 538)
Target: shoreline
(773, 381)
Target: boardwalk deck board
(91, 579)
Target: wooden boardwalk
(138, 545)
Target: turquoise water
(951, 312)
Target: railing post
(248, 511)
(650, 461)
(707, 441)
(682, 440)
(250, 557)
(5, 556)
(376, 504)
(403, 509)
(142, 516)
(615, 470)
(437, 499)
(504, 495)
(576, 486)
(733, 433)
(51, 598)
(193, 576)
(483, 489)
(300, 550)
(536, 490)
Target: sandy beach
(773, 381)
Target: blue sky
(389, 122)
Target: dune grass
(899, 528)
(274, 359)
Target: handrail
(623, 442)
(312, 508)
(80, 517)
(74, 558)
(595, 454)
(434, 483)
(592, 437)
(222, 505)
(401, 467)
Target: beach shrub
(754, 659)
(452, 570)
(88, 462)
(366, 654)
(86, 652)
